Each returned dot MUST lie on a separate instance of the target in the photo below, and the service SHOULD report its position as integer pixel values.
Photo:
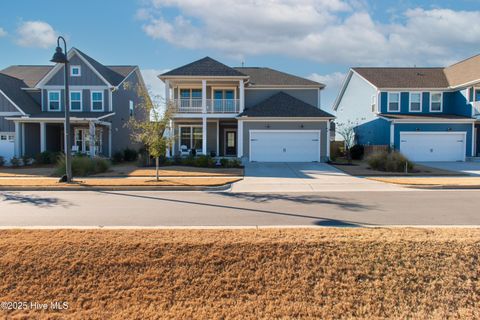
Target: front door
(230, 142)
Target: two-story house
(257, 114)
(32, 107)
(428, 114)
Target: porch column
(110, 141)
(204, 135)
(172, 134)
(328, 140)
(242, 95)
(218, 138)
(43, 137)
(474, 140)
(91, 127)
(240, 139)
(18, 139)
(167, 91)
(204, 96)
(392, 135)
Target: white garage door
(7, 146)
(285, 145)
(433, 146)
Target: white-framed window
(131, 108)
(75, 100)
(374, 103)
(436, 102)
(7, 136)
(97, 101)
(53, 102)
(190, 137)
(415, 102)
(393, 102)
(75, 71)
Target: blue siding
(375, 132)
(456, 103)
(383, 102)
(429, 127)
(425, 102)
(404, 101)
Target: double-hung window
(394, 102)
(191, 99)
(415, 101)
(436, 102)
(53, 100)
(97, 101)
(75, 100)
(191, 138)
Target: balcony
(213, 106)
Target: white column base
(204, 135)
(43, 137)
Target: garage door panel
(284, 146)
(7, 147)
(425, 146)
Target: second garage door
(285, 145)
(433, 146)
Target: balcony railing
(213, 105)
(476, 108)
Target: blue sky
(318, 39)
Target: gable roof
(30, 75)
(284, 105)
(404, 78)
(206, 67)
(266, 77)
(464, 72)
(12, 88)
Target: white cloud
(37, 34)
(326, 31)
(3, 33)
(333, 82)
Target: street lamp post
(61, 57)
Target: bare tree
(347, 132)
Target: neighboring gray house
(32, 107)
(257, 114)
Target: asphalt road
(156, 209)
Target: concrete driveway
(470, 168)
(303, 177)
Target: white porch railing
(476, 108)
(223, 105)
(188, 105)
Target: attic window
(75, 71)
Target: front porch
(213, 137)
(34, 136)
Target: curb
(441, 187)
(225, 187)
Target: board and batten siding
(6, 106)
(88, 76)
(255, 96)
(86, 99)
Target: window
(477, 95)
(191, 138)
(131, 108)
(191, 98)
(75, 100)
(11, 138)
(97, 100)
(415, 101)
(53, 100)
(374, 103)
(393, 102)
(75, 71)
(436, 102)
(3, 137)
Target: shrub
(224, 162)
(2, 161)
(130, 154)
(389, 161)
(46, 157)
(357, 152)
(83, 166)
(117, 157)
(235, 163)
(204, 161)
(26, 160)
(337, 150)
(15, 162)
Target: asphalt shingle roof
(12, 87)
(406, 78)
(284, 105)
(31, 75)
(204, 67)
(260, 76)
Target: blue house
(428, 114)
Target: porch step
(473, 159)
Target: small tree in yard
(151, 130)
(347, 132)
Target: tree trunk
(156, 165)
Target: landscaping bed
(264, 273)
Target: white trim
(223, 88)
(218, 137)
(204, 97)
(287, 87)
(464, 133)
(13, 103)
(17, 143)
(258, 119)
(59, 100)
(474, 141)
(241, 89)
(60, 119)
(191, 126)
(392, 135)
(399, 101)
(128, 75)
(9, 114)
(208, 115)
(365, 79)
(163, 78)
(240, 138)
(91, 101)
(328, 141)
(410, 101)
(76, 87)
(81, 100)
(441, 101)
(292, 131)
(204, 136)
(225, 140)
(431, 121)
(43, 136)
(110, 100)
(23, 140)
(75, 67)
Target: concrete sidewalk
(304, 177)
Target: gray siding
(255, 96)
(121, 134)
(87, 78)
(6, 106)
(275, 125)
(86, 99)
(6, 125)
(32, 139)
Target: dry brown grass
(432, 181)
(214, 274)
(130, 170)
